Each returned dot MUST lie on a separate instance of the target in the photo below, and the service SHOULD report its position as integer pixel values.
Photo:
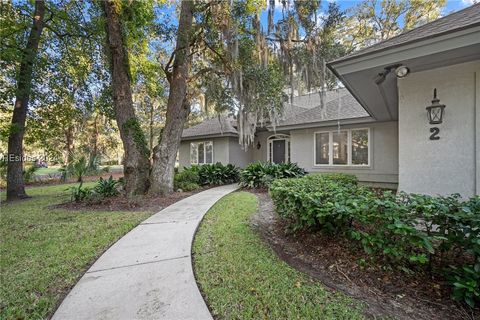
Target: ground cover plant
(261, 174)
(241, 278)
(407, 231)
(44, 251)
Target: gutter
(329, 123)
(207, 136)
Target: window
(201, 152)
(360, 147)
(341, 148)
(322, 148)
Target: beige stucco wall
(383, 168)
(449, 165)
(220, 151)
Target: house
(409, 116)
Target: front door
(278, 149)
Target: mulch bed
(122, 203)
(337, 263)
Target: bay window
(201, 152)
(341, 148)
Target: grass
(243, 279)
(45, 251)
(49, 170)
(56, 169)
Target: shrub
(29, 173)
(107, 187)
(406, 230)
(207, 174)
(262, 174)
(79, 193)
(218, 174)
(186, 180)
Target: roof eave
(328, 123)
(209, 136)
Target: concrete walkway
(148, 273)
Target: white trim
(349, 149)
(277, 137)
(204, 152)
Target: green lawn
(49, 170)
(44, 251)
(243, 279)
(55, 169)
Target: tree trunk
(136, 165)
(178, 108)
(15, 183)
(151, 130)
(69, 147)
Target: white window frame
(349, 149)
(275, 137)
(204, 152)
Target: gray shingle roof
(338, 105)
(456, 21)
(213, 126)
(305, 109)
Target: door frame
(277, 137)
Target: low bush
(29, 173)
(80, 193)
(262, 174)
(191, 178)
(186, 180)
(406, 230)
(218, 174)
(107, 187)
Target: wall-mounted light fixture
(436, 110)
(259, 145)
(402, 72)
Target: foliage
(46, 251)
(186, 180)
(3, 169)
(217, 174)
(242, 278)
(372, 21)
(79, 193)
(407, 230)
(29, 173)
(261, 174)
(79, 167)
(107, 187)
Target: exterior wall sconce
(259, 145)
(402, 72)
(436, 110)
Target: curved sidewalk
(148, 273)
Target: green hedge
(407, 230)
(262, 174)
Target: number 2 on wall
(435, 131)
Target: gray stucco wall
(383, 168)
(449, 165)
(237, 155)
(220, 151)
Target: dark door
(278, 151)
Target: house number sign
(434, 133)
